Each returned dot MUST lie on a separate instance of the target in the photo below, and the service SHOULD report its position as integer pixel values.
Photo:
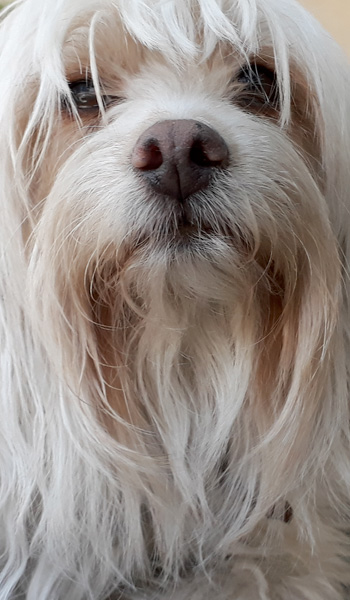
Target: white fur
(165, 474)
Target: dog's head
(175, 188)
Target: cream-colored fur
(174, 404)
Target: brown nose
(179, 158)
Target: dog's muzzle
(179, 158)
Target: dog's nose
(179, 158)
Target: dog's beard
(186, 329)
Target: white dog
(174, 319)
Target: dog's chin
(186, 230)
(184, 242)
(187, 227)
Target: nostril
(209, 152)
(199, 156)
(147, 157)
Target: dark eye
(258, 87)
(84, 96)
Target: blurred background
(333, 14)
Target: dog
(175, 193)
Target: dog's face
(197, 150)
(179, 170)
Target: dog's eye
(258, 87)
(84, 96)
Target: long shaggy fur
(167, 403)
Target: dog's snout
(179, 158)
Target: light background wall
(334, 16)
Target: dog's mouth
(185, 221)
(191, 225)
(188, 222)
